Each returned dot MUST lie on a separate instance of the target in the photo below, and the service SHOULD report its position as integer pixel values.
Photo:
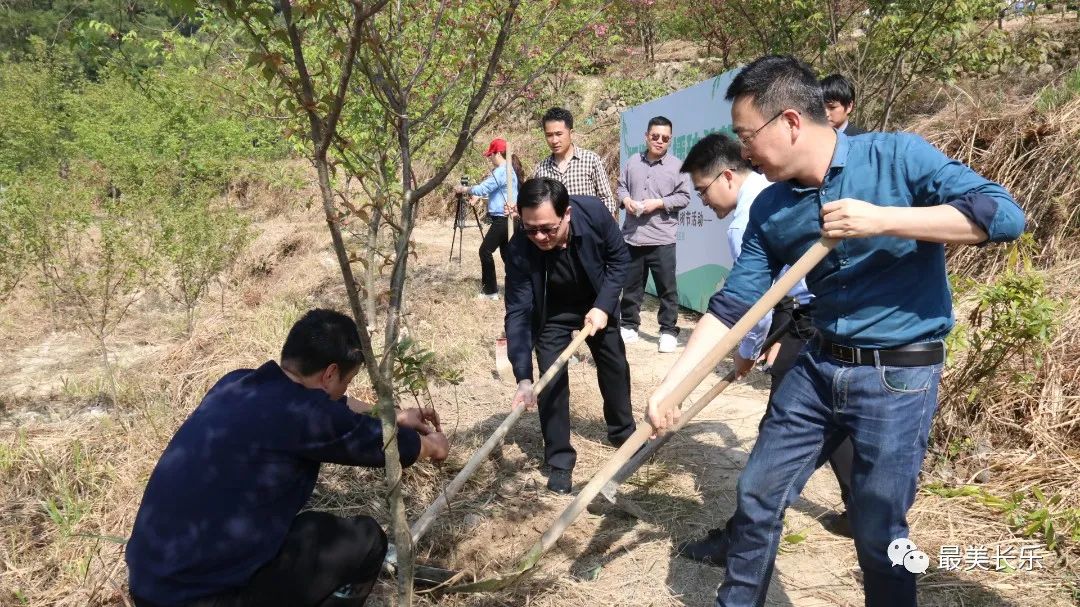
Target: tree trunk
(402, 536)
(369, 271)
(113, 392)
(398, 519)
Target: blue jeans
(887, 413)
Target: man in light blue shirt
(882, 307)
(752, 185)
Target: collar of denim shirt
(839, 161)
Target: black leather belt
(913, 355)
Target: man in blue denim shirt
(882, 308)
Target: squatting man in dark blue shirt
(219, 523)
(883, 307)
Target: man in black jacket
(566, 267)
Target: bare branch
(307, 92)
(428, 47)
(360, 16)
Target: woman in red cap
(494, 187)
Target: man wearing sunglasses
(881, 310)
(652, 190)
(564, 268)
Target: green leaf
(795, 538)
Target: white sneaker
(629, 336)
(668, 343)
(491, 296)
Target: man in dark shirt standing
(218, 524)
(566, 266)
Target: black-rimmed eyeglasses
(701, 191)
(746, 141)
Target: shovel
(435, 509)
(420, 527)
(610, 490)
(528, 561)
(503, 368)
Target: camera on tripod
(461, 219)
(462, 208)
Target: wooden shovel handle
(420, 527)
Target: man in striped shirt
(580, 170)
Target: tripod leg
(457, 224)
(476, 216)
(453, 239)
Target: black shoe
(711, 549)
(560, 481)
(837, 523)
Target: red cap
(497, 145)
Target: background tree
(112, 186)
(93, 249)
(904, 42)
(883, 46)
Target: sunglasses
(659, 137)
(547, 231)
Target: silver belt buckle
(844, 354)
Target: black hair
(658, 121)
(556, 114)
(776, 83)
(538, 190)
(321, 338)
(835, 87)
(714, 153)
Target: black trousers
(660, 261)
(321, 553)
(495, 239)
(612, 374)
(797, 331)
